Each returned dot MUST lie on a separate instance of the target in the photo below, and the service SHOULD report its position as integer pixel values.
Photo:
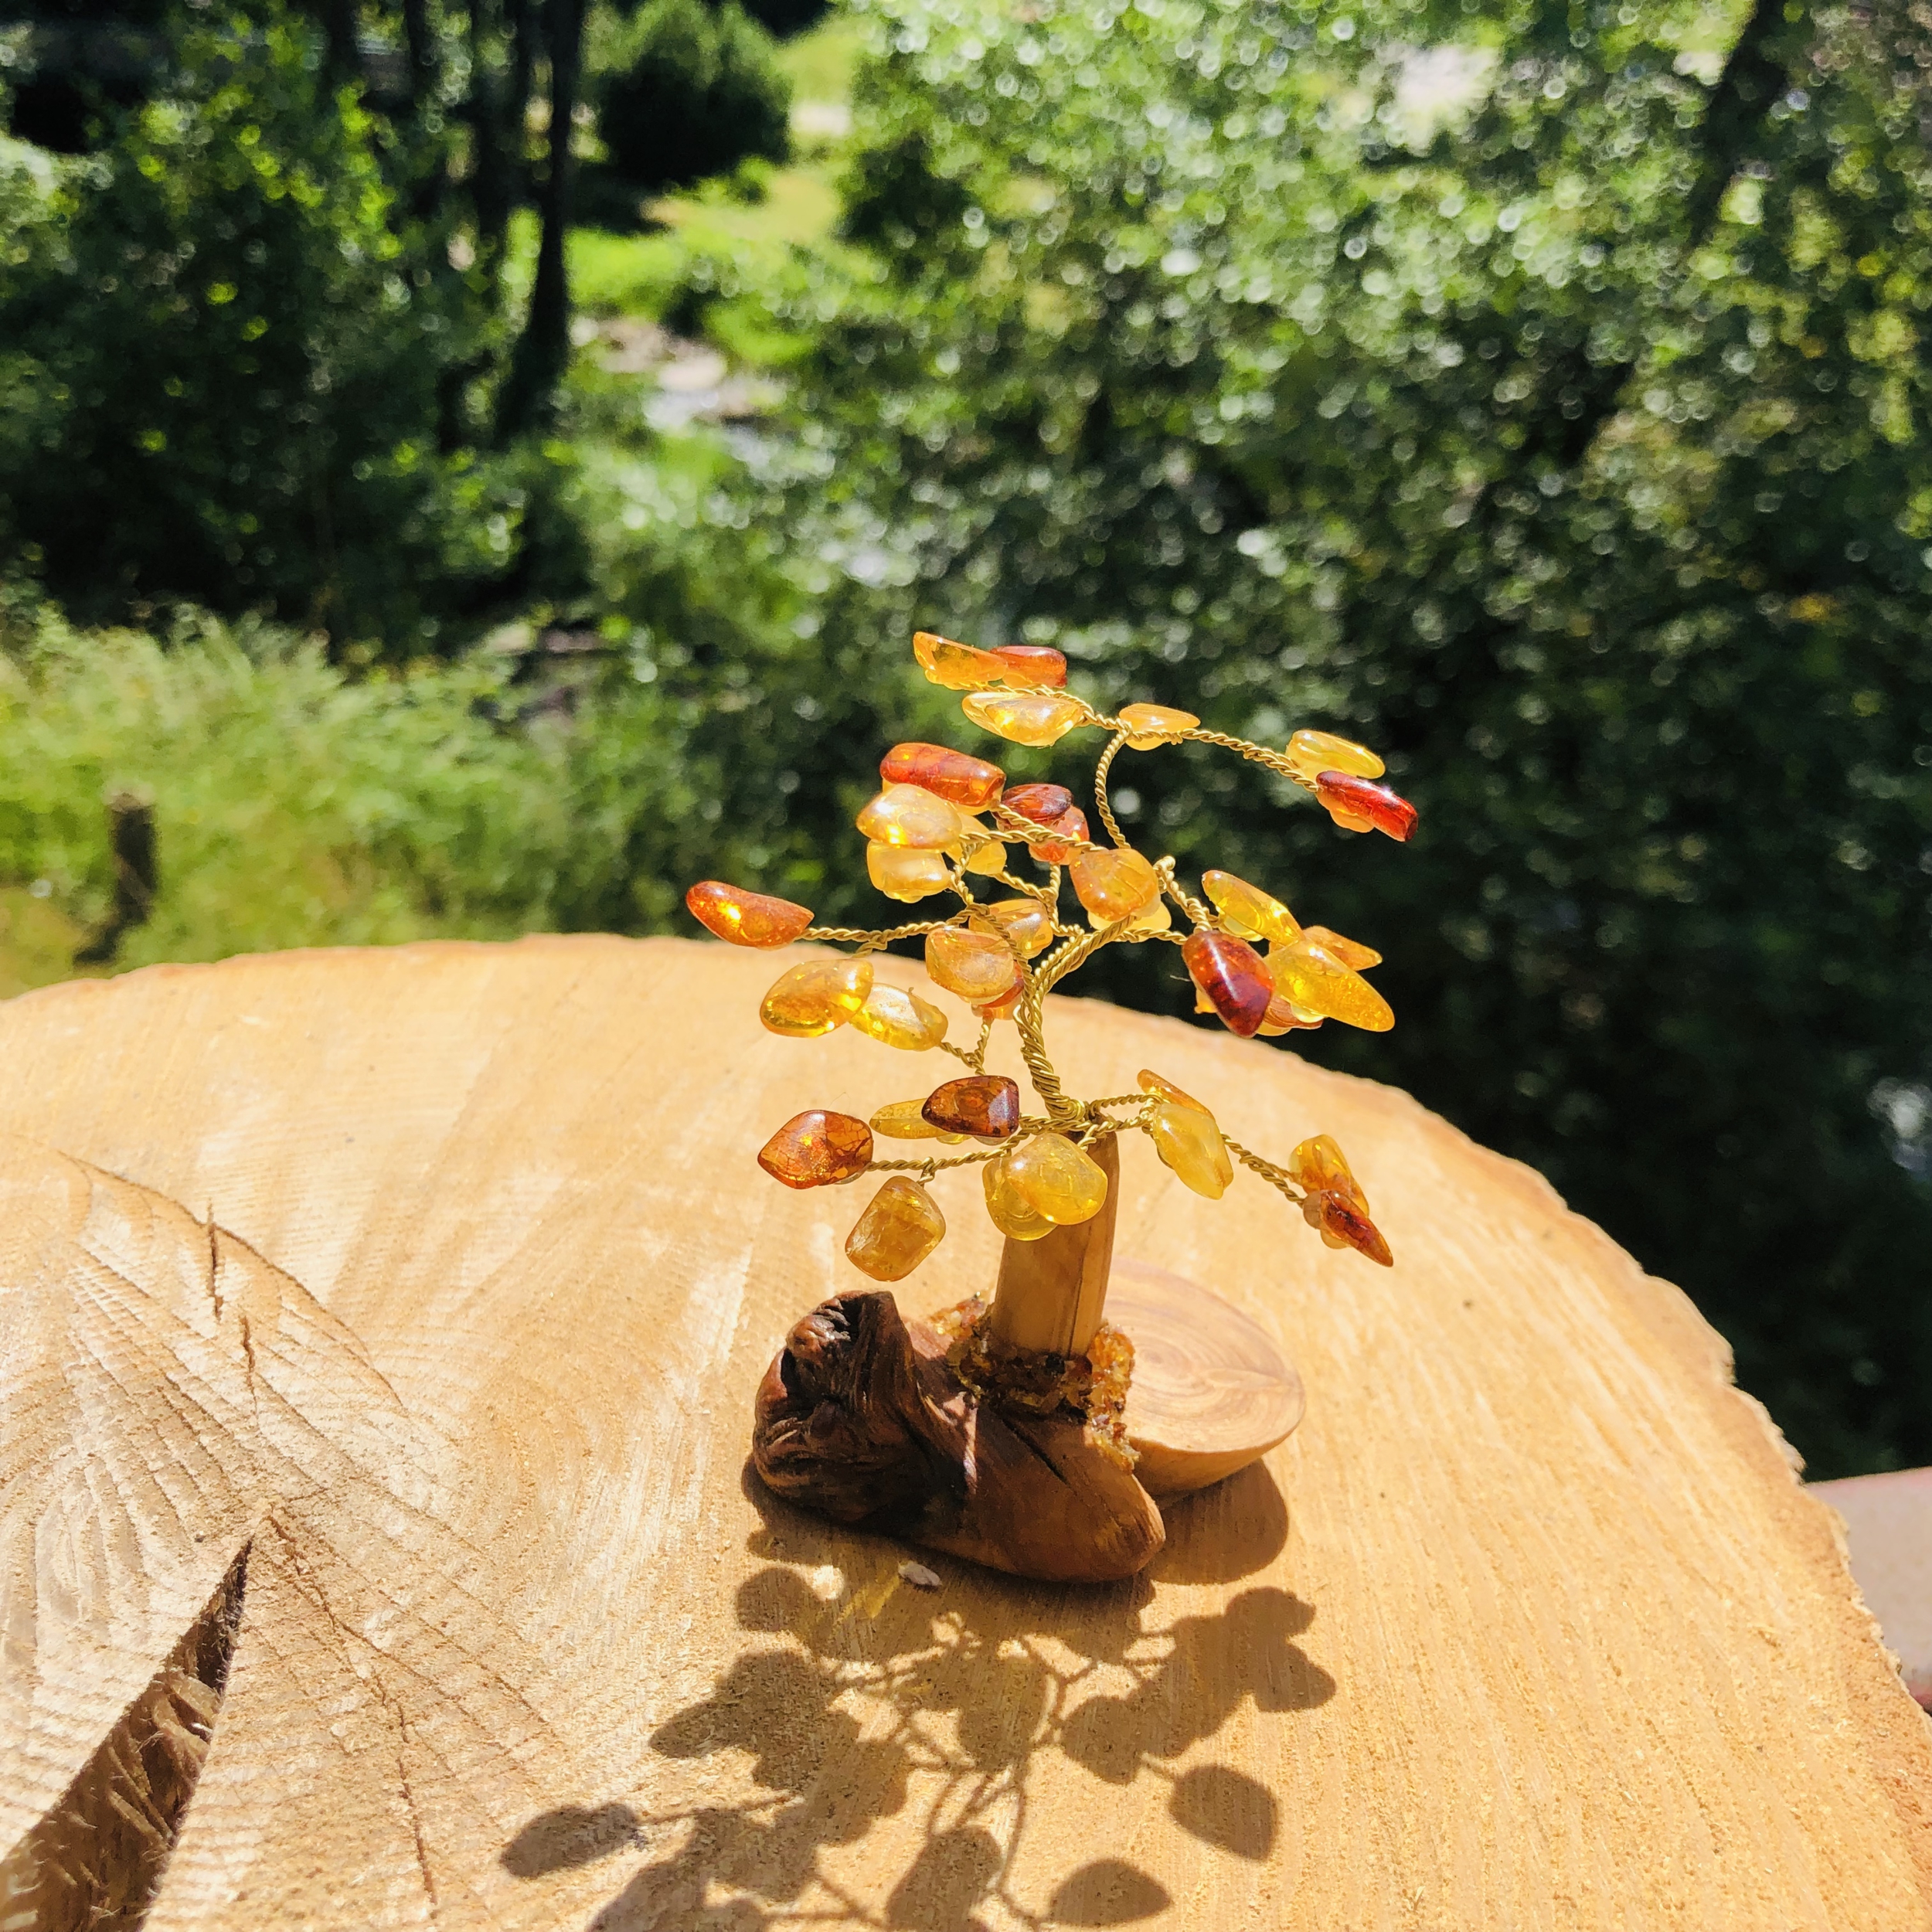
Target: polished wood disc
(1212, 1393)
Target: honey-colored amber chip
(1057, 1179)
(905, 815)
(895, 1017)
(1026, 717)
(1315, 980)
(905, 873)
(984, 1105)
(956, 667)
(976, 966)
(746, 918)
(1187, 1140)
(971, 784)
(1312, 753)
(1012, 1214)
(816, 997)
(1152, 724)
(1113, 885)
(1247, 911)
(900, 1227)
(816, 1149)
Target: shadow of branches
(851, 1702)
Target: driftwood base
(860, 1418)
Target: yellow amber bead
(1152, 918)
(977, 966)
(1284, 1016)
(897, 1018)
(1057, 1179)
(1150, 725)
(1012, 1214)
(1312, 753)
(1110, 884)
(1247, 911)
(1351, 953)
(1187, 1141)
(901, 1225)
(986, 859)
(1164, 1089)
(1023, 921)
(956, 667)
(904, 873)
(1313, 978)
(815, 998)
(904, 815)
(906, 1120)
(1026, 717)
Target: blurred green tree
(1543, 402)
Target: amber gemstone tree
(836, 1414)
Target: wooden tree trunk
(378, 1339)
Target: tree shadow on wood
(853, 1695)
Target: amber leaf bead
(1248, 911)
(1026, 717)
(746, 918)
(901, 1225)
(1024, 923)
(1032, 666)
(1335, 1205)
(983, 852)
(1284, 1016)
(1235, 978)
(1315, 980)
(816, 997)
(984, 1105)
(906, 873)
(1057, 1179)
(1161, 1088)
(956, 667)
(903, 1120)
(1186, 1138)
(1113, 885)
(977, 966)
(1312, 753)
(970, 783)
(1012, 1212)
(1004, 1007)
(905, 815)
(1356, 805)
(1151, 725)
(816, 1149)
(1351, 952)
(895, 1017)
(1044, 803)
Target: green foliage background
(1536, 392)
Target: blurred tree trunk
(544, 347)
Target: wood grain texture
(1527, 1624)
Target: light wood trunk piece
(1052, 1293)
(378, 1338)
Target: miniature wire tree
(942, 825)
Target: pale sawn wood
(1212, 1393)
(1527, 1624)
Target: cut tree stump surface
(378, 1338)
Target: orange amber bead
(977, 966)
(1335, 1206)
(1114, 884)
(1002, 1008)
(1315, 979)
(1032, 666)
(1357, 804)
(746, 919)
(901, 1225)
(816, 997)
(956, 667)
(1026, 717)
(1312, 753)
(1150, 725)
(984, 1105)
(969, 783)
(1042, 804)
(907, 815)
(1248, 911)
(1234, 977)
(814, 1148)
(1351, 952)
